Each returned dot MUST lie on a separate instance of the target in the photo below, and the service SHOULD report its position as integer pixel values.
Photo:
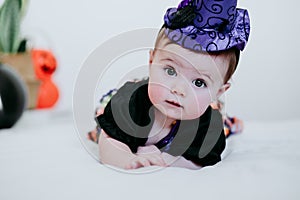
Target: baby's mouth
(174, 104)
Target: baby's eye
(199, 83)
(170, 71)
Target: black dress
(128, 118)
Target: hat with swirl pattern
(208, 25)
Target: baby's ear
(223, 89)
(151, 56)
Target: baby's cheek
(156, 93)
(200, 102)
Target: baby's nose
(178, 89)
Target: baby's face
(182, 83)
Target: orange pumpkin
(48, 95)
(44, 63)
(44, 66)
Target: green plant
(11, 13)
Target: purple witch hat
(208, 25)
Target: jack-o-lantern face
(44, 63)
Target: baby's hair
(233, 54)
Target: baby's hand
(151, 149)
(146, 160)
(145, 157)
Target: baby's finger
(130, 166)
(157, 160)
(134, 165)
(143, 162)
(137, 163)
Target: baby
(167, 120)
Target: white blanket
(42, 157)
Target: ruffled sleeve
(213, 157)
(200, 140)
(121, 119)
(210, 142)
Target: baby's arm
(116, 153)
(174, 161)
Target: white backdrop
(265, 86)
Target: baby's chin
(178, 115)
(190, 117)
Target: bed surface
(42, 157)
